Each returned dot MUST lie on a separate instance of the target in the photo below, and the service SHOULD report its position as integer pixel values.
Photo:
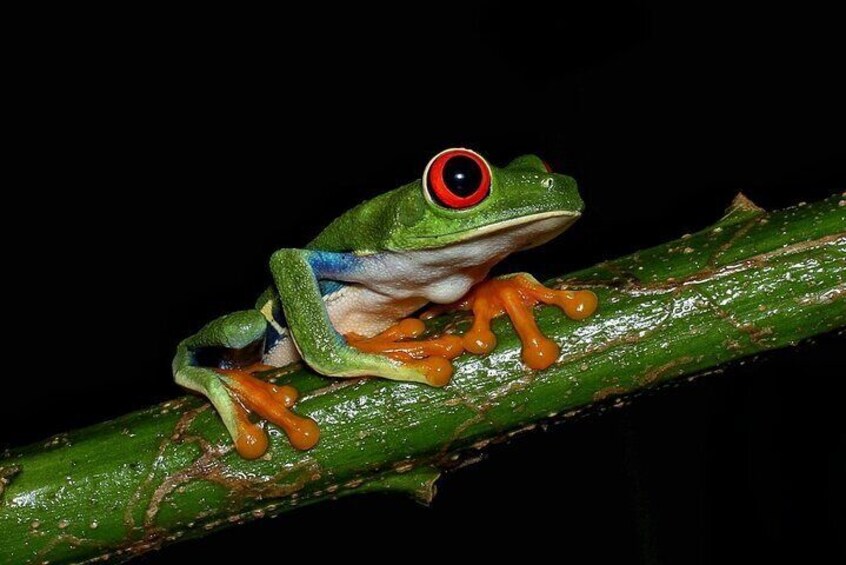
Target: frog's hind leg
(234, 391)
(296, 273)
(400, 342)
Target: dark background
(163, 156)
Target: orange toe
(479, 341)
(252, 441)
(285, 394)
(272, 403)
(517, 296)
(578, 304)
(539, 352)
(437, 370)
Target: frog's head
(462, 197)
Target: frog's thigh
(295, 273)
(352, 309)
(238, 330)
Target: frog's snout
(563, 189)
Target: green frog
(342, 303)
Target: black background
(163, 156)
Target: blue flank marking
(329, 287)
(272, 337)
(330, 265)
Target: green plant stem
(752, 282)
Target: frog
(345, 303)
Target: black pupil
(462, 175)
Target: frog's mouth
(534, 229)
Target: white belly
(445, 274)
(353, 309)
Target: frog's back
(366, 228)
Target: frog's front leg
(235, 392)
(296, 273)
(516, 295)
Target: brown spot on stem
(608, 392)
(7, 473)
(655, 374)
(209, 467)
(179, 430)
(756, 335)
(65, 539)
(732, 241)
(332, 387)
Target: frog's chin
(524, 231)
(547, 229)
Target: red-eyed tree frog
(341, 303)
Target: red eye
(458, 178)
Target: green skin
(375, 264)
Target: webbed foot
(237, 395)
(235, 392)
(269, 402)
(516, 295)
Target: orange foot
(431, 356)
(270, 402)
(516, 296)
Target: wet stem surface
(751, 283)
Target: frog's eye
(457, 178)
